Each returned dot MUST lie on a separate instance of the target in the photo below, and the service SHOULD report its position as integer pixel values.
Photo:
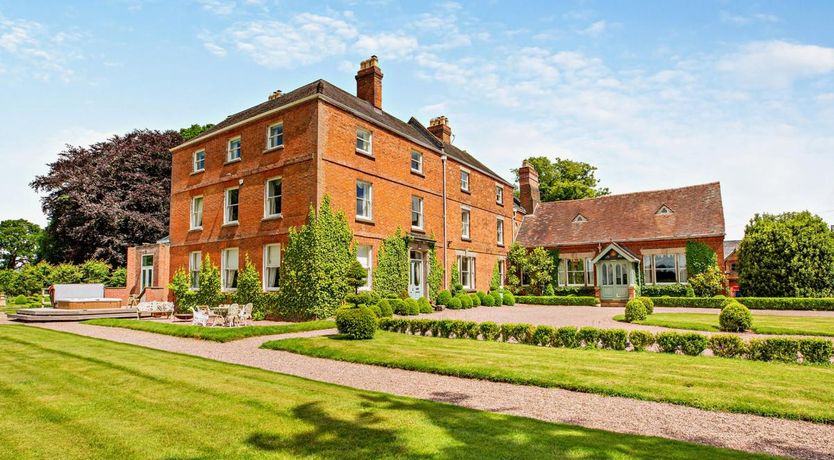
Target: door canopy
(615, 252)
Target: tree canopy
(563, 179)
(19, 242)
(194, 130)
(105, 197)
(787, 255)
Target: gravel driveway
(738, 431)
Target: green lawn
(71, 397)
(780, 390)
(762, 324)
(216, 334)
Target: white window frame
(367, 201)
(271, 140)
(499, 194)
(369, 268)
(194, 265)
(230, 151)
(419, 159)
(419, 212)
(569, 269)
(499, 230)
(650, 271)
(227, 207)
(224, 255)
(194, 167)
(194, 224)
(267, 197)
(467, 277)
(267, 267)
(466, 224)
(465, 186)
(370, 141)
(502, 271)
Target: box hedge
(556, 300)
(753, 303)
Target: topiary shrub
(782, 349)
(816, 351)
(444, 328)
(454, 304)
(728, 301)
(476, 300)
(640, 340)
(385, 308)
(356, 323)
(635, 310)
(497, 300)
(521, 333)
(543, 335)
(465, 301)
(588, 336)
(481, 296)
(377, 311)
(509, 299)
(487, 300)
(735, 317)
(399, 307)
(613, 339)
(411, 307)
(693, 344)
(443, 298)
(668, 342)
(549, 291)
(20, 300)
(424, 305)
(727, 346)
(567, 336)
(469, 330)
(489, 330)
(648, 303)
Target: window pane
(363, 200)
(664, 271)
(276, 135)
(416, 212)
(363, 140)
(417, 161)
(682, 276)
(273, 197)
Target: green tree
(19, 243)
(357, 276)
(539, 269)
(249, 288)
(517, 260)
(709, 283)
(787, 255)
(95, 271)
(436, 275)
(454, 280)
(194, 130)
(564, 179)
(209, 293)
(315, 266)
(65, 274)
(180, 286)
(391, 274)
(33, 278)
(495, 281)
(118, 278)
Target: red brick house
(731, 265)
(238, 188)
(605, 242)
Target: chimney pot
(275, 94)
(439, 126)
(369, 82)
(528, 185)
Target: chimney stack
(369, 82)
(275, 94)
(528, 184)
(439, 126)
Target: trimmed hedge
(670, 290)
(356, 323)
(556, 300)
(635, 310)
(735, 317)
(753, 303)
(806, 351)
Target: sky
(655, 94)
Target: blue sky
(656, 94)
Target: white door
(147, 271)
(614, 280)
(415, 276)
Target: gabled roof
(413, 130)
(730, 247)
(625, 253)
(697, 212)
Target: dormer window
(579, 219)
(664, 211)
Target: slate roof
(730, 247)
(412, 130)
(697, 211)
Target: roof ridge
(642, 192)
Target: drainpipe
(445, 225)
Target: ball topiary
(20, 300)
(648, 303)
(728, 301)
(476, 301)
(735, 317)
(454, 304)
(385, 308)
(377, 311)
(411, 307)
(487, 300)
(424, 305)
(356, 323)
(398, 305)
(444, 297)
(635, 310)
(496, 299)
(465, 301)
(509, 299)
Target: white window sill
(196, 229)
(466, 238)
(418, 172)
(272, 289)
(417, 229)
(364, 153)
(272, 149)
(199, 171)
(231, 224)
(366, 220)
(228, 162)
(273, 217)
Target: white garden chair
(200, 318)
(232, 314)
(245, 315)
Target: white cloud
(218, 7)
(215, 49)
(778, 63)
(743, 20)
(41, 53)
(595, 30)
(388, 45)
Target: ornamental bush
(555, 300)
(424, 305)
(443, 298)
(509, 299)
(454, 304)
(180, 287)
(544, 335)
(777, 349)
(497, 300)
(613, 339)
(399, 307)
(249, 285)
(385, 308)
(640, 340)
(356, 323)
(567, 337)
(588, 337)
(635, 310)
(465, 301)
(709, 283)
(727, 346)
(488, 300)
(735, 317)
(489, 330)
(411, 307)
(688, 343)
(481, 296)
(648, 303)
(816, 351)
(661, 290)
(476, 300)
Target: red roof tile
(696, 212)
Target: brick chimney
(275, 94)
(369, 82)
(528, 184)
(439, 126)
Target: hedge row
(753, 303)
(811, 351)
(557, 300)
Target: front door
(147, 271)
(415, 276)
(614, 279)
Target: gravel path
(745, 432)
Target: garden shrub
(386, 324)
(399, 307)
(670, 290)
(668, 342)
(548, 291)
(356, 323)
(444, 297)
(777, 349)
(454, 304)
(489, 330)
(364, 297)
(699, 258)
(488, 301)
(568, 336)
(635, 310)
(588, 337)
(476, 300)
(554, 300)
(509, 299)
(411, 307)
(434, 328)
(735, 317)
(648, 303)
(249, 285)
(457, 329)
(391, 273)
(613, 339)
(424, 305)
(709, 283)
(465, 301)
(640, 340)
(816, 351)
(469, 329)
(445, 328)
(521, 333)
(693, 344)
(543, 335)
(385, 308)
(497, 300)
(21, 300)
(482, 296)
(727, 346)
